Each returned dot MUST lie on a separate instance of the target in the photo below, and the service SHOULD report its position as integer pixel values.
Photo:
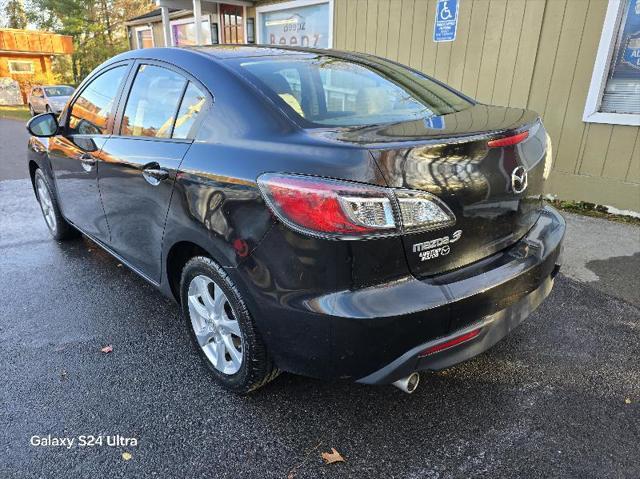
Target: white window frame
(18, 72)
(292, 4)
(244, 24)
(613, 18)
(140, 29)
(187, 20)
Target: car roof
(241, 51)
(220, 53)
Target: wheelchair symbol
(445, 13)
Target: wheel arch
(37, 158)
(177, 256)
(33, 166)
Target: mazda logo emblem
(519, 179)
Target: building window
(214, 34)
(144, 37)
(183, 31)
(251, 30)
(614, 94)
(21, 67)
(306, 23)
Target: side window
(292, 75)
(153, 102)
(91, 110)
(288, 85)
(192, 103)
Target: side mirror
(43, 126)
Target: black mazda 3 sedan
(330, 214)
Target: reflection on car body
(330, 214)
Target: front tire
(32, 112)
(222, 329)
(59, 228)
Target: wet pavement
(551, 400)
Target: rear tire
(217, 317)
(59, 228)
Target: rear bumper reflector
(463, 338)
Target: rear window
(58, 91)
(330, 91)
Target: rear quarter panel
(217, 204)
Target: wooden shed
(26, 55)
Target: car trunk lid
(494, 192)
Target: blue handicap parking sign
(435, 123)
(446, 24)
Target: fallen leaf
(119, 265)
(331, 457)
(627, 401)
(89, 250)
(107, 349)
(126, 456)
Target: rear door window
(192, 104)
(153, 102)
(58, 91)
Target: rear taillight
(422, 211)
(508, 140)
(345, 210)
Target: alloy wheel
(46, 203)
(215, 325)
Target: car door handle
(87, 161)
(155, 175)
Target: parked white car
(48, 98)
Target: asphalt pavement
(559, 397)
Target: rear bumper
(482, 335)
(519, 293)
(374, 334)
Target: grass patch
(593, 210)
(20, 113)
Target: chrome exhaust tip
(409, 383)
